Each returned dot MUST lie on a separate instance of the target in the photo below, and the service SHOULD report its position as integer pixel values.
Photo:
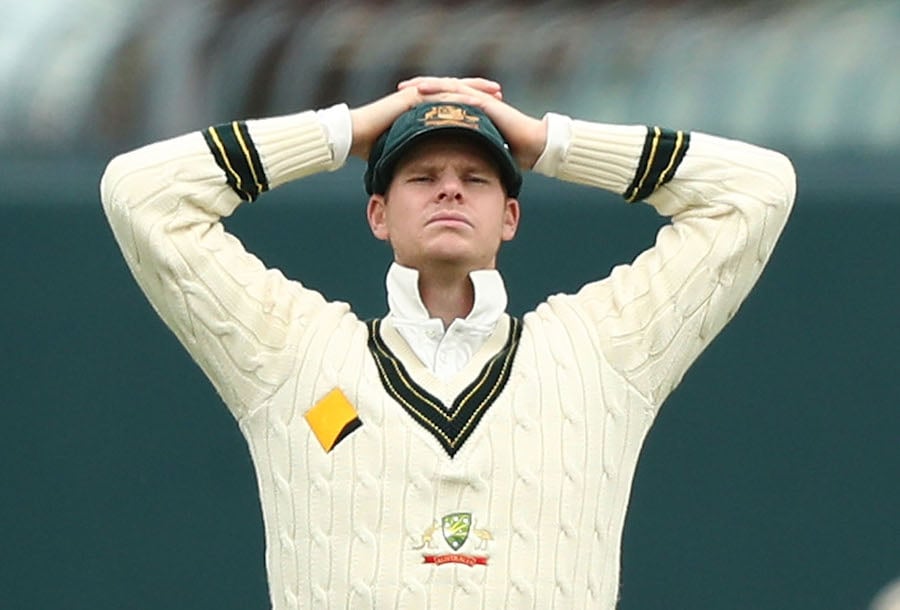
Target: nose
(449, 188)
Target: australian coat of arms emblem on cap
(450, 115)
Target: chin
(448, 251)
(453, 253)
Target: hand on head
(526, 135)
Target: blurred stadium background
(772, 477)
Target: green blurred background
(771, 478)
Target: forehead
(444, 147)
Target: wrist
(536, 144)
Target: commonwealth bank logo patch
(332, 419)
(461, 540)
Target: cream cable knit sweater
(516, 496)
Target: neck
(447, 296)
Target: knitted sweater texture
(506, 486)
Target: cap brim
(509, 173)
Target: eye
(477, 179)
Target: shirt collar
(406, 306)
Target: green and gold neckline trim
(451, 426)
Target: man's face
(446, 207)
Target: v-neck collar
(450, 425)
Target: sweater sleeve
(728, 202)
(165, 203)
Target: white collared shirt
(444, 352)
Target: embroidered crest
(450, 115)
(458, 530)
(455, 528)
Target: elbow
(784, 178)
(769, 179)
(124, 184)
(127, 180)
(111, 190)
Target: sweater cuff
(595, 154)
(559, 133)
(294, 146)
(337, 123)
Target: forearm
(728, 201)
(246, 157)
(165, 202)
(673, 171)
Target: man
(448, 455)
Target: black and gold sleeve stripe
(663, 152)
(233, 149)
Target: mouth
(449, 220)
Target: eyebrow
(481, 166)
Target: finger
(452, 97)
(428, 86)
(432, 83)
(482, 84)
(435, 86)
(412, 82)
(416, 81)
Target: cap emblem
(450, 115)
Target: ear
(510, 219)
(376, 213)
